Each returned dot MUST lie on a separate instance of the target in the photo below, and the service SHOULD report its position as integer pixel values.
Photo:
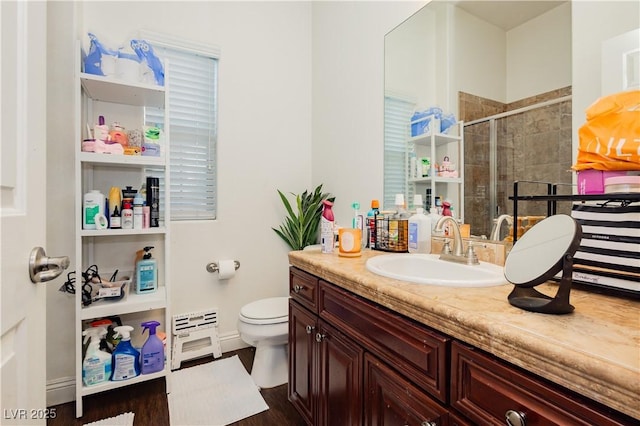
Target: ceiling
(507, 14)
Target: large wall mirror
(505, 69)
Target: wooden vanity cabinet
(354, 362)
(331, 335)
(325, 366)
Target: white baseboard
(63, 389)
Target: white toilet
(265, 325)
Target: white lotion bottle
(419, 229)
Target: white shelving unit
(436, 146)
(114, 249)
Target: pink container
(592, 181)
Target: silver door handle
(43, 268)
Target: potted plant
(300, 228)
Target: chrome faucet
(497, 226)
(456, 254)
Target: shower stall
(529, 141)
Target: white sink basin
(429, 269)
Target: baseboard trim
(63, 389)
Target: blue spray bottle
(125, 363)
(152, 350)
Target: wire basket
(391, 235)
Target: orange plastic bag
(610, 139)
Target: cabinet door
(391, 400)
(340, 378)
(302, 331)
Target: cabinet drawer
(392, 400)
(303, 287)
(416, 352)
(485, 389)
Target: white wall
(593, 23)
(539, 54)
(348, 85)
(283, 85)
(264, 144)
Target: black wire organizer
(552, 198)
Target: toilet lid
(271, 310)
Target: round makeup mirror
(546, 249)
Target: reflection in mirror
(510, 82)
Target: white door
(22, 210)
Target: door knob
(43, 268)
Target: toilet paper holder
(213, 266)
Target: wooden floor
(148, 401)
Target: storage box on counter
(594, 181)
(608, 256)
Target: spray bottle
(152, 352)
(125, 361)
(327, 239)
(371, 222)
(96, 366)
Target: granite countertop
(594, 351)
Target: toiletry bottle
(419, 229)
(115, 199)
(358, 223)
(101, 130)
(371, 222)
(96, 366)
(153, 200)
(125, 361)
(115, 221)
(127, 215)
(92, 205)
(327, 239)
(152, 352)
(435, 217)
(138, 203)
(146, 273)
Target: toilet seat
(273, 310)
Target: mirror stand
(524, 296)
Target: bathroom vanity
(364, 349)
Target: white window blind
(397, 116)
(192, 99)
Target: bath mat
(216, 393)
(125, 419)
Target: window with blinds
(192, 100)
(397, 116)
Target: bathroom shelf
(436, 146)
(116, 232)
(121, 160)
(132, 303)
(115, 249)
(102, 387)
(108, 89)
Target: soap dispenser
(146, 272)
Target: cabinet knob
(309, 329)
(298, 288)
(320, 337)
(515, 418)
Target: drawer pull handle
(309, 329)
(298, 288)
(427, 423)
(320, 337)
(515, 418)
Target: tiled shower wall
(531, 146)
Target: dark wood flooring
(148, 401)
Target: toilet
(265, 325)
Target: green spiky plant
(300, 227)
